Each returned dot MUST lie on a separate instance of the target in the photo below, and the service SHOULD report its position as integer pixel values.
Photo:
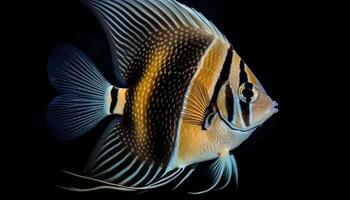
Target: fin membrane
(197, 102)
(82, 103)
(222, 169)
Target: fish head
(243, 104)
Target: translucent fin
(184, 178)
(222, 170)
(169, 177)
(83, 89)
(108, 145)
(111, 158)
(130, 23)
(235, 169)
(113, 162)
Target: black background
(286, 155)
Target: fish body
(188, 96)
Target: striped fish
(187, 97)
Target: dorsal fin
(130, 23)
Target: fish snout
(273, 108)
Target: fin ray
(129, 178)
(130, 23)
(82, 103)
(184, 178)
(223, 167)
(122, 172)
(144, 176)
(108, 185)
(197, 103)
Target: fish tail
(85, 94)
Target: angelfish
(187, 97)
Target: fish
(184, 97)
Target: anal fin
(113, 162)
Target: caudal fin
(83, 100)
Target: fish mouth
(271, 111)
(273, 108)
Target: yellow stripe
(119, 109)
(143, 92)
(234, 72)
(251, 77)
(193, 142)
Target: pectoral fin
(197, 102)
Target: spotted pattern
(162, 72)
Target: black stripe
(243, 78)
(245, 112)
(224, 75)
(248, 91)
(248, 85)
(166, 101)
(229, 103)
(242, 75)
(114, 97)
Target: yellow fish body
(188, 96)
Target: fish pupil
(248, 94)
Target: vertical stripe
(224, 74)
(245, 112)
(208, 73)
(121, 101)
(114, 99)
(242, 74)
(229, 103)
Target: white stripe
(167, 177)
(106, 152)
(133, 175)
(162, 8)
(107, 160)
(156, 13)
(130, 16)
(176, 14)
(110, 22)
(145, 175)
(121, 173)
(138, 13)
(137, 5)
(187, 175)
(154, 176)
(128, 21)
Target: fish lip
(273, 108)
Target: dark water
(277, 157)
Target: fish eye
(247, 92)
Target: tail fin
(84, 93)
